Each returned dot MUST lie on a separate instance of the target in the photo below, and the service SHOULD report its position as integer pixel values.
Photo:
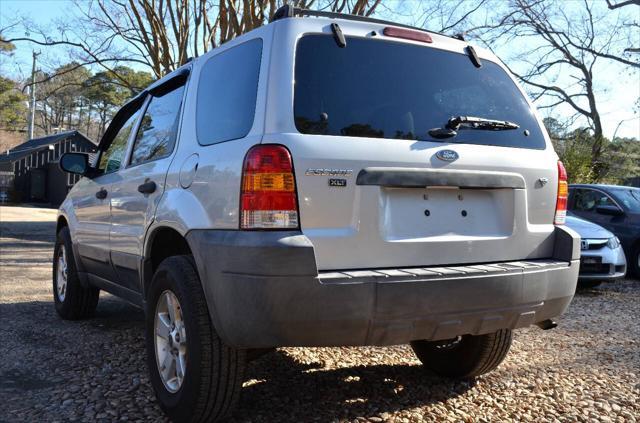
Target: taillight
(268, 198)
(407, 34)
(563, 194)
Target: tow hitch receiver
(546, 324)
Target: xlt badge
(337, 182)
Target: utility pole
(32, 100)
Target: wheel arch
(61, 222)
(162, 242)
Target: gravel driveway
(587, 369)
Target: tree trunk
(598, 166)
(598, 136)
(89, 120)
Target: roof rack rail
(288, 11)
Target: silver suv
(320, 181)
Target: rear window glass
(227, 93)
(386, 89)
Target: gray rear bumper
(263, 290)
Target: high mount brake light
(407, 34)
(268, 198)
(563, 195)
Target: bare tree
(559, 60)
(57, 98)
(450, 16)
(162, 35)
(612, 5)
(633, 25)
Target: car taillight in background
(268, 198)
(563, 194)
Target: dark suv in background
(617, 208)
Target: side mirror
(609, 210)
(77, 163)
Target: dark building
(29, 172)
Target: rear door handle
(102, 194)
(147, 188)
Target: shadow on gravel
(114, 314)
(29, 231)
(45, 351)
(20, 380)
(27, 247)
(582, 291)
(286, 390)
(626, 285)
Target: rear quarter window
(387, 89)
(227, 91)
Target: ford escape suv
(324, 180)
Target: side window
(588, 200)
(111, 158)
(585, 200)
(157, 133)
(603, 199)
(572, 198)
(227, 92)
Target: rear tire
(466, 356)
(72, 300)
(212, 376)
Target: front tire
(196, 377)
(466, 356)
(634, 262)
(72, 300)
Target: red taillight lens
(268, 199)
(563, 194)
(407, 34)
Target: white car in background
(601, 255)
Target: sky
(616, 97)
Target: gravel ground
(587, 369)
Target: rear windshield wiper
(470, 122)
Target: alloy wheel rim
(170, 341)
(61, 275)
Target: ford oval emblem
(447, 155)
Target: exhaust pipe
(547, 324)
